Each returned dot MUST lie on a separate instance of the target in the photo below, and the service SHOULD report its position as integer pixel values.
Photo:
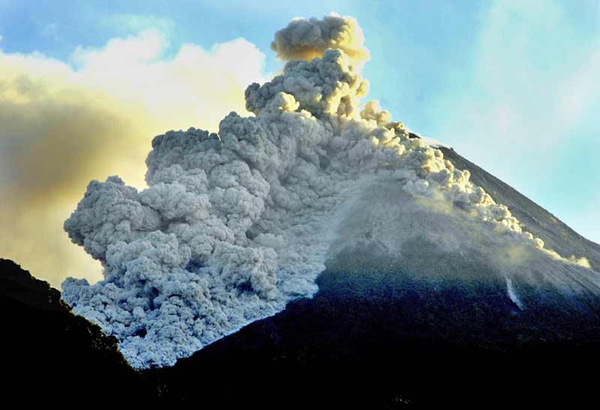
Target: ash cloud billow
(305, 39)
(234, 225)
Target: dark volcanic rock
(381, 341)
(50, 356)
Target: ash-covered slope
(52, 357)
(430, 326)
(535, 219)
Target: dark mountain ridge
(51, 356)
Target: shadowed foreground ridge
(50, 356)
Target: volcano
(319, 254)
(380, 333)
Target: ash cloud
(305, 39)
(235, 224)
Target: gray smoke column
(234, 225)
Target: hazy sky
(85, 85)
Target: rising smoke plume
(233, 225)
(305, 39)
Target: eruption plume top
(306, 39)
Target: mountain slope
(431, 327)
(553, 232)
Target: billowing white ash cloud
(236, 224)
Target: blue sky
(511, 85)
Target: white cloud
(50, 31)
(65, 123)
(581, 90)
(138, 22)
